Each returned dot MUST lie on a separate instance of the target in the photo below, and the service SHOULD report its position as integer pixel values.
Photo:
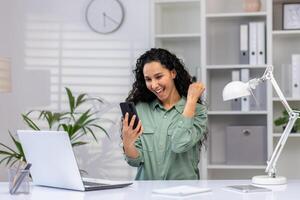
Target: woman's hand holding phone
(130, 135)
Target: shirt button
(165, 116)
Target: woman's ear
(173, 73)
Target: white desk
(141, 190)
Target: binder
(235, 103)
(261, 43)
(245, 104)
(253, 43)
(244, 40)
(296, 75)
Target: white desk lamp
(237, 89)
(5, 85)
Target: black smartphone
(128, 107)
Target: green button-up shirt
(169, 146)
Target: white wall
(34, 84)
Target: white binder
(253, 43)
(296, 75)
(235, 103)
(245, 104)
(244, 49)
(261, 43)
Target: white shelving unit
(284, 44)
(206, 35)
(235, 15)
(171, 31)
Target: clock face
(104, 16)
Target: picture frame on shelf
(291, 16)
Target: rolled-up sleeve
(136, 162)
(189, 131)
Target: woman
(165, 144)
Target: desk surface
(143, 190)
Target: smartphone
(128, 107)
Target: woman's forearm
(131, 151)
(190, 108)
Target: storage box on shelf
(218, 141)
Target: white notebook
(181, 190)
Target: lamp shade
(235, 89)
(5, 79)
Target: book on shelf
(244, 47)
(261, 43)
(296, 75)
(235, 103)
(245, 104)
(257, 43)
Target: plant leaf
(18, 145)
(78, 143)
(97, 126)
(81, 99)
(30, 123)
(71, 100)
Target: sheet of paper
(181, 190)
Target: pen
(17, 171)
(20, 179)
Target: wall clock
(105, 16)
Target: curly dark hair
(139, 91)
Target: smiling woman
(165, 144)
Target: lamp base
(267, 180)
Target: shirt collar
(179, 106)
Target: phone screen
(129, 107)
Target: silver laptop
(54, 164)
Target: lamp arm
(269, 76)
(271, 167)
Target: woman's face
(160, 80)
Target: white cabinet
(206, 35)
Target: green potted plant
(284, 119)
(75, 122)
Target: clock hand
(111, 19)
(104, 19)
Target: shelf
(235, 66)
(286, 33)
(177, 36)
(230, 15)
(176, 1)
(237, 113)
(236, 166)
(290, 135)
(287, 98)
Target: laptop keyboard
(87, 183)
